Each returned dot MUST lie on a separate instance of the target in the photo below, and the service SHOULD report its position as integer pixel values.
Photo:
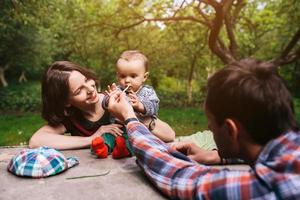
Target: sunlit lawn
(184, 121)
(17, 129)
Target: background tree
(182, 38)
(221, 18)
(25, 45)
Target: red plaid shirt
(275, 175)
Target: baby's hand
(135, 102)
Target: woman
(71, 104)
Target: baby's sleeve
(149, 99)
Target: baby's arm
(149, 101)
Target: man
(250, 113)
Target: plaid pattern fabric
(275, 175)
(40, 162)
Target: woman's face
(82, 91)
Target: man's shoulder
(283, 145)
(289, 137)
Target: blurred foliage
(21, 98)
(93, 33)
(27, 98)
(18, 129)
(178, 99)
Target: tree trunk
(2, 77)
(296, 78)
(190, 80)
(22, 77)
(210, 68)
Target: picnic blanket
(203, 139)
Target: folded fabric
(204, 139)
(40, 162)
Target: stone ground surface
(123, 180)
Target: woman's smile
(93, 97)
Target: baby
(132, 72)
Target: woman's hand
(194, 152)
(114, 129)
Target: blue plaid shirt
(275, 175)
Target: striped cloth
(275, 175)
(40, 162)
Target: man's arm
(175, 174)
(179, 177)
(209, 157)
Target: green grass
(17, 129)
(297, 109)
(185, 121)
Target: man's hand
(194, 152)
(119, 107)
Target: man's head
(132, 69)
(252, 94)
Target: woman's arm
(54, 137)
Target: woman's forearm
(61, 142)
(55, 138)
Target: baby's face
(131, 73)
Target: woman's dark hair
(55, 90)
(253, 93)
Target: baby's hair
(134, 55)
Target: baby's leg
(110, 141)
(120, 150)
(159, 128)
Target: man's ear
(146, 76)
(232, 128)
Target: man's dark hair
(253, 93)
(55, 91)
